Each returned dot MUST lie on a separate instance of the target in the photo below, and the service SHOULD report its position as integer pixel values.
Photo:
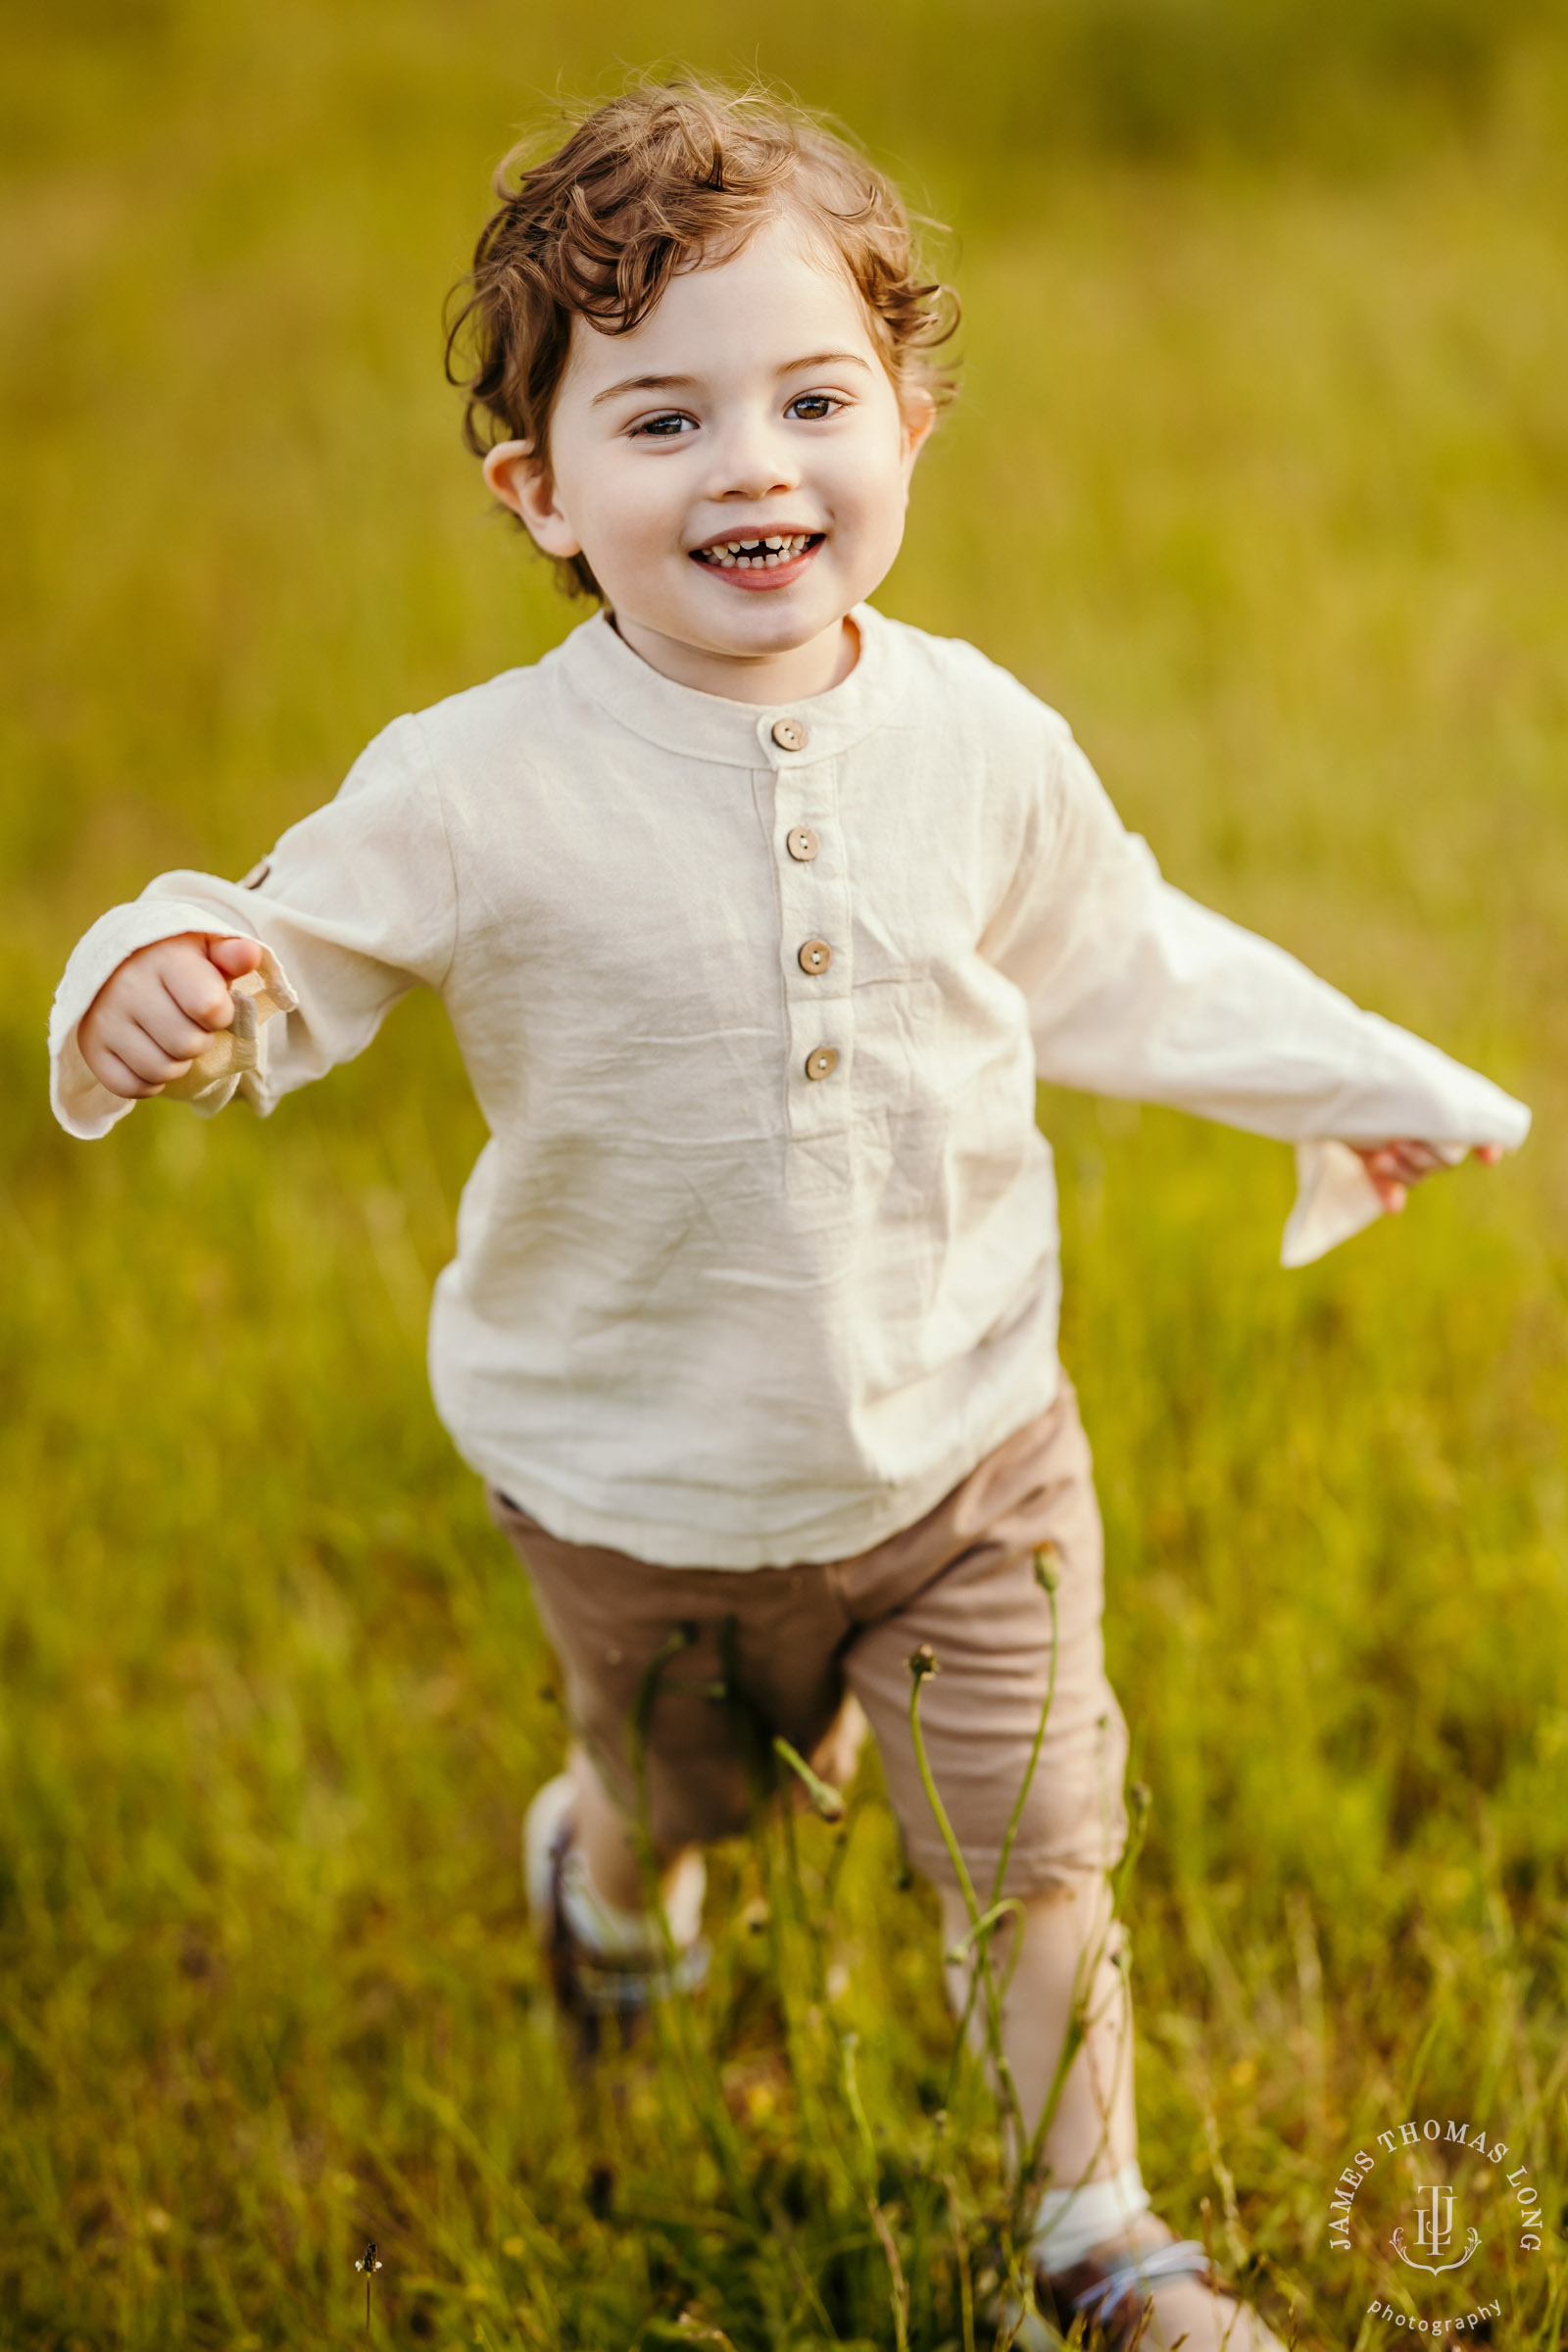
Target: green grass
(1261, 474)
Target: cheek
(875, 493)
(635, 510)
(871, 473)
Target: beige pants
(798, 1642)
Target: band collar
(708, 726)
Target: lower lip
(779, 577)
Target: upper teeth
(744, 555)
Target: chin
(774, 631)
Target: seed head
(924, 1662)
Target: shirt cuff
(88, 1111)
(1335, 1197)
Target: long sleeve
(760, 1256)
(1135, 990)
(355, 904)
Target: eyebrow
(684, 383)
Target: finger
(111, 1072)
(1383, 1178)
(1404, 1161)
(195, 991)
(1489, 1155)
(1410, 1163)
(171, 1031)
(145, 1058)
(176, 987)
(235, 956)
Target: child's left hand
(1394, 1167)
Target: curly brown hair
(655, 182)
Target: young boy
(758, 918)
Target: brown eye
(811, 408)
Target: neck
(791, 675)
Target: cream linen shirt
(708, 1306)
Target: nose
(754, 459)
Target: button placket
(813, 906)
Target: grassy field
(1261, 474)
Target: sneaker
(1147, 2289)
(591, 1984)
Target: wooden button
(816, 956)
(822, 1063)
(790, 735)
(802, 844)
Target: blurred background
(1259, 472)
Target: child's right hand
(162, 1007)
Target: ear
(522, 481)
(919, 412)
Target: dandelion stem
(1088, 1967)
(826, 1801)
(899, 2289)
(922, 1664)
(1046, 1578)
(961, 2247)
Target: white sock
(1070, 2221)
(617, 1935)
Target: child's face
(751, 404)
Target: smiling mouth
(773, 553)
